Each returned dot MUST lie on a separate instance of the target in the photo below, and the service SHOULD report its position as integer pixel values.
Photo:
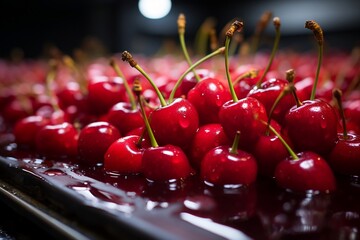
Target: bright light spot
(154, 9)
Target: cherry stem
(290, 75)
(234, 147)
(125, 82)
(337, 93)
(50, 78)
(277, 24)
(235, 26)
(252, 73)
(260, 27)
(70, 63)
(319, 36)
(181, 29)
(287, 89)
(291, 152)
(126, 56)
(179, 81)
(137, 88)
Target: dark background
(117, 25)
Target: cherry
(124, 117)
(172, 123)
(267, 94)
(104, 93)
(238, 115)
(303, 172)
(308, 172)
(312, 126)
(94, 140)
(344, 157)
(208, 96)
(269, 151)
(225, 165)
(57, 140)
(26, 129)
(124, 156)
(207, 137)
(162, 163)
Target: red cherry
(344, 157)
(207, 137)
(310, 172)
(267, 94)
(239, 116)
(105, 93)
(124, 156)
(57, 140)
(175, 123)
(269, 151)
(124, 117)
(208, 96)
(226, 165)
(165, 163)
(190, 81)
(94, 140)
(312, 126)
(26, 129)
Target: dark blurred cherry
(26, 129)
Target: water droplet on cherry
(184, 123)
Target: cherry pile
(291, 117)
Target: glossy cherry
(124, 117)
(94, 140)
(227, 165)
(207, 137)
(161, 163)
(105, 93)
(310, 172)
(240, 116)
(312, 126)
(344, 157)
(124, 156)
(267, 94)
(165, 163)
(269, 151)
(208, 96)
(57, 140)
(26, 129)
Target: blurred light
(154, 9)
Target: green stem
(234, 147)
(147, 124)
(320, 55)
(186, 54)
(231, 86)
(274, 49)
(291, 152)
(179, 81)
